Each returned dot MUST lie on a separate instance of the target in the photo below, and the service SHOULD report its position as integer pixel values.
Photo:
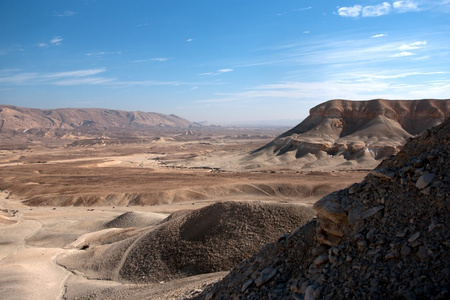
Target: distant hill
(355, 131)
(22, 119)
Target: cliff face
(356, 130)
(14, 118)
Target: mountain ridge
(14, 118)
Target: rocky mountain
(386, 237)
(355, 130)
(31, 120)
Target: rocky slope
(384, 238)
(355, 130)
(32, 120)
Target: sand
(65, 202)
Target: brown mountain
(355, 131)
(21, 119)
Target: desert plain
(56, 198)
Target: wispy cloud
(66, 13)
(189, 40)
(402, 54)
(345, 86)
(78, 73)
(42, 45)
(157, 59)
(412, 46)
(83, 81)
(58, 78)
(379, 35)
(218, 72)
(101, 53)
(56, 40)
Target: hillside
(386, 237)
(347, 133)
(22, 119)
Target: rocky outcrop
(355, 130)
(36, 121)
(386, 237)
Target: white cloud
(378, 35)
(189, 40)
(405, 6)
(412, 46)
(401, 6)
(42, 45)
(376, 10)
(56, 40)
(218, 72)
(303, 8)
(351, 12)
(403, 54)
(225, 70)
(79, 73)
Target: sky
(221, 61)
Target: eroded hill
(348, 133)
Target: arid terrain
(91, 212)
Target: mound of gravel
(213, 238)
(135, 219)
(387, 237)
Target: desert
(95, 209)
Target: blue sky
(221, 60)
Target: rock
(424, 180)
(414, 237)
(371, 211)
(329, 208)
(247, 284)
(265, 276)
(321, 259)
(309, 293)
(383, 174)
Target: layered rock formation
(356, 130)
(384, 238)
(31, 120)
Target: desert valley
(352, 203)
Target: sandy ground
(32, 237)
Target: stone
(414, 237)
(329, 208)
(320, 260)
(309, 293)
(383, 174)
(424, 180)
(371, 211)
(266, 275)
(247, 284)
